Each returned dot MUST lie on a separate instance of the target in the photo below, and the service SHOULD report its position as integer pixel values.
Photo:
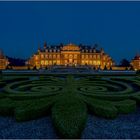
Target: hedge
(102, 108)
(33, 109)
(7, 107)
(69, 117)
(125, 106)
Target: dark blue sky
(115, 26)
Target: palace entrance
(70, 55)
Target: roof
(1, 54)
(137, 57)
(72, 47)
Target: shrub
(7, 107)
(69, 117)
(138, 72)
(137, 99)
(102, 108)
(126, 106)
(32, 109)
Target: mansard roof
(137, 57)
(73, 47)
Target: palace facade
(3, 61)
(135, 63)
(70, 55)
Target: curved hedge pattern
(69, 99)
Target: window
(50, 56)
(98, 62)
(75, 56)
(46, 62)
(42, 56)
(42, 62)
(94, 62)
(54, 56)
(46, 56)
(36, 57)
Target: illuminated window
(54, 56)
(82, 56)
(83, 62)
(50, 56)
(54, 61)
(42, 56)
(90, 56)
(42, 62)
(94, 62)
(94, 56)
(90, 62)
(86, 56)
(50, 62)
(98, 56)
(36, 63)
(66, 55)
(75, 61)
(98, 63)
(75, 56)
(58, 62)
(36, 58)
(46, 62)
(58, 56)
(46, 56)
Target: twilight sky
(115, 26)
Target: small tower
(1, 54)
(39, 48)
(102, 51)
(45, 45)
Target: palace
(71, 55)
(3, 61)
(136, 62)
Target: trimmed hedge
(69, 117)
(101, 108)
(137, 99)
(32, 109)
(7, 107)
(125, 106)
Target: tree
(138, 72)
(34, 68)
(105, 68)
(28, 68)
(131, 67)
(94, 68)
(124, 63)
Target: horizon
(114, 26)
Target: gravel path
(124, 126)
